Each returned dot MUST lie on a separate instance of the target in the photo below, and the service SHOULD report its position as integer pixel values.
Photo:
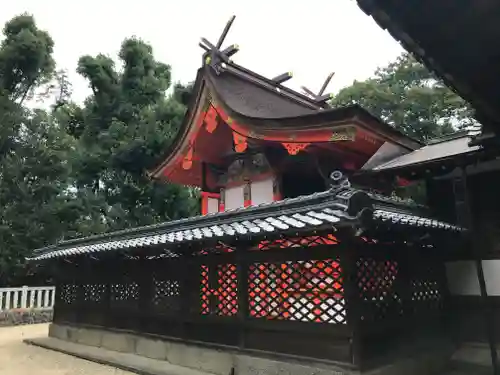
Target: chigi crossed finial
(213, 55)
(320, 97)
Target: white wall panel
(234, 198)
(262, 191)
(213, 205)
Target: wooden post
(15, 298)
(462, 199)
(351, 295)
(242, 274)
(24, 297)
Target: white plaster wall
(262, 191)
(491, 270)
(213, 205)
(234, 198)
(462, 277)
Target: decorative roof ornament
(214, 56)
(320, 97)
(338, 181)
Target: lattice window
(166, 295)
(310, 241)
(67, 293)
(94, 292)
(426, 291)
(125, 291)
(219, 290)
(378, 294)
(308, 291)
(217, 249)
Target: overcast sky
(310, 38)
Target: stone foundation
(224, 361)
(24, 316)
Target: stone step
(123, 361)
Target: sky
(309, 38)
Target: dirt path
(17, 358)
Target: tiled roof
(303, 214)
(433, 152)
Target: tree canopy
(77, 170)
(409, 97)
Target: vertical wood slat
(15, 299)
(24, 297)
(27, 298)
(39, 299)
(46, 296)
(7, 299)
(31, 304)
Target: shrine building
(298, 257)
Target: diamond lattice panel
(426, 291)
(308, 291)
(378, 294)
(94, 292)
(67, 294)
(219, 290)
(125, 294)
(166, 295)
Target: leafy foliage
(410, 98)
(121, 130)
(79, 170)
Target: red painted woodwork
(213, 135)
(295, 148)
(247, 195)
(240, 142)
(205, 196)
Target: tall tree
(409, 97)
(121, 130)
(35, 205)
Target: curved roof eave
(282, 108)
(314, 119)
(176, 144)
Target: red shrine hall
(296, 253)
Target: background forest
(75, 170)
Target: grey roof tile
(319, 210)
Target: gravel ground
(17, 358)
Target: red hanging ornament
(295, 148)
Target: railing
(39, 297)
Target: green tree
(38, 204)
(121, 129)
(410, 98)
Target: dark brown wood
(464, 207)
(329, 302)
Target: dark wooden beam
(462, 200)
(283, 77)
(225, 31)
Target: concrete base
(123, 361)
(474, 357)
(179, 357)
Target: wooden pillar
(242, 277)
(348, 259)
(465, 215)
